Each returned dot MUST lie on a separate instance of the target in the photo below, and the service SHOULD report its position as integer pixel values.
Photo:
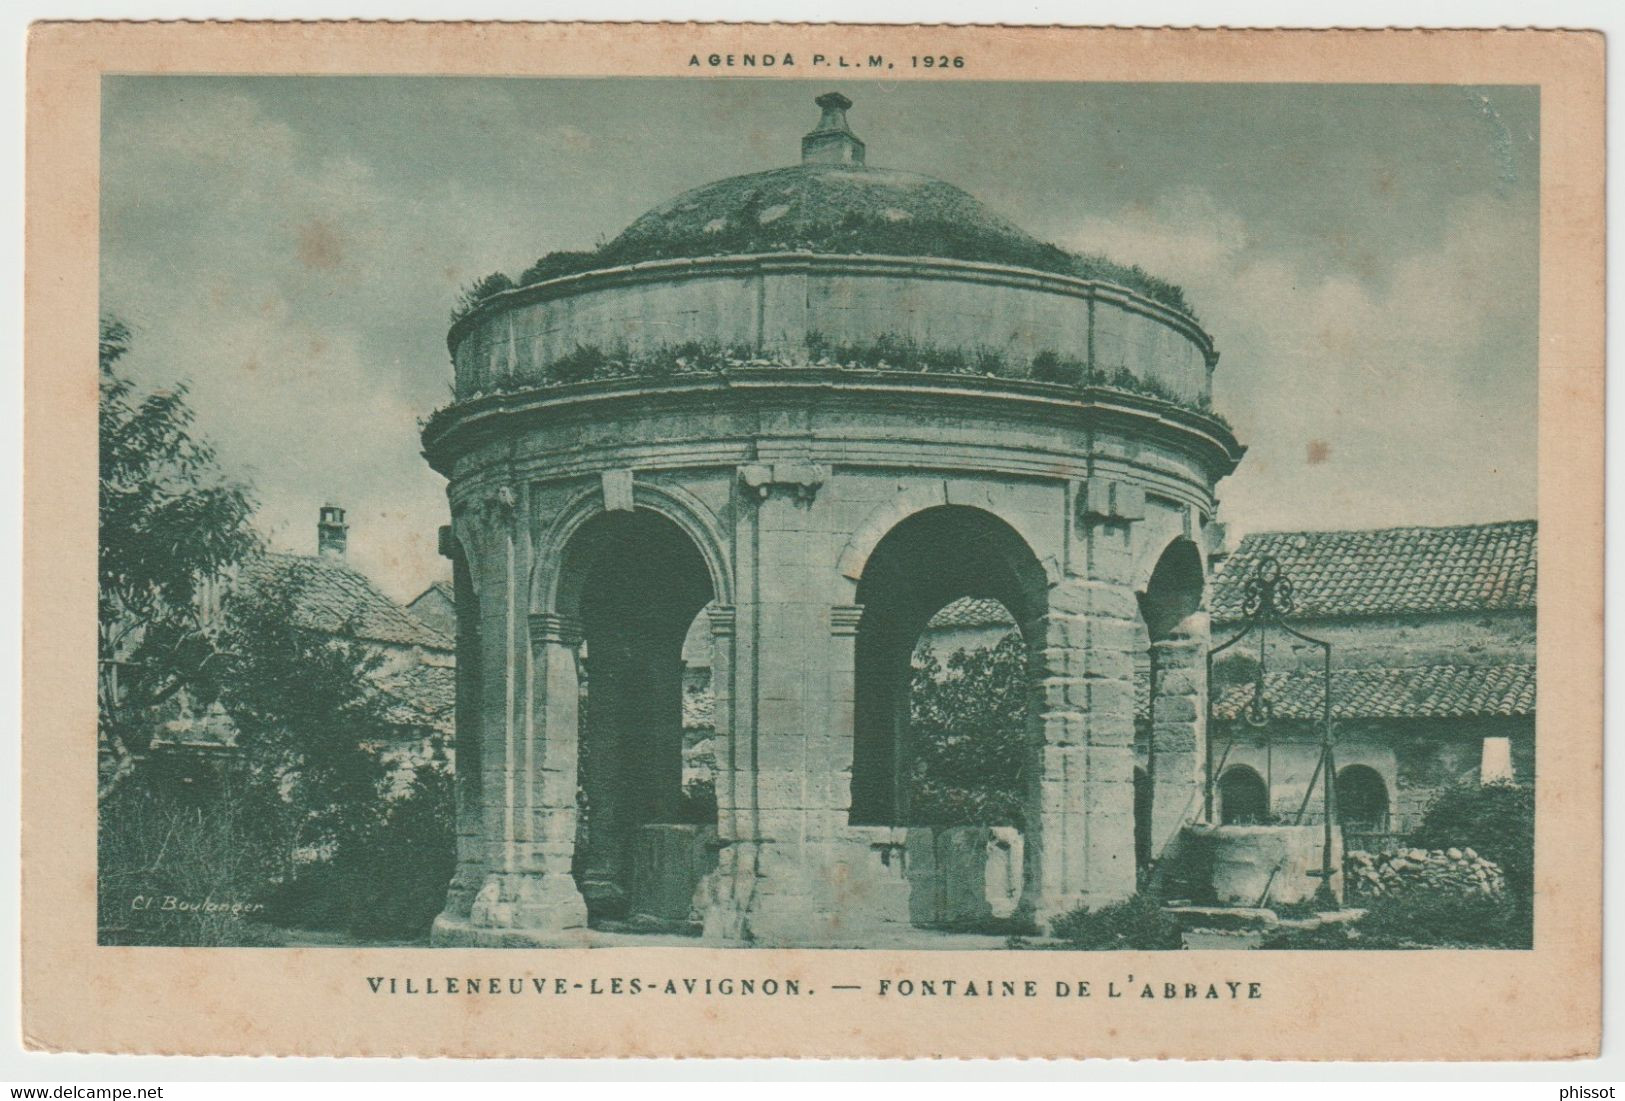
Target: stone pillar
(842, 694)
(527, 707)
(470, 870)
(1080, 822)
(724, 895)
(1178, 731)
(800, 815)
(550, 812)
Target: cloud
(1369, 395)
(270, 275)
(293, 247)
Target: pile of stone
(1459, 871)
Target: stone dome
(835, 203)
(848, 208)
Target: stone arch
(1362, 798)
(1243, 797)
(928, 559)
(549, 581)
(885, 517)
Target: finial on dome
(832, 140)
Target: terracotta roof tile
(970, 611)
(423, 696)
(334, 596)
(1419, 692)
(1395, 571)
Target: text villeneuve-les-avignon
(1077, 989)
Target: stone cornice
(468, 423)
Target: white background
(1223, 1080)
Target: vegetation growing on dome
(856, 234)
(889, 352)
(846, 210)
(470, 297)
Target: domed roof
(833, 202)
(825, 208)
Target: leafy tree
(171, 525)
(968, 725)
(306, 710)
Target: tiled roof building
(1394, 571)
(416, 675)
(1420, 692)
(333, 596)
(1433, 664)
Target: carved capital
(485, 517)
(800, 480)
(551, 627)
(722, 620)
(844, 619)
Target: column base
(514, 909)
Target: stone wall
(1479, 638)
(770, 305)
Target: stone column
(1178, 731)
(470, 870)
(724, 895)
(547, 847)
(527, 707)
(799, 814)
(842, 694)
(1080, 822)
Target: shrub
(586, 361)
(1497, 820)
(1047, 366)
(389, 879)
(1139, 924)
(1445, 919)
(395, 882)
(195, 831)
(469, 299)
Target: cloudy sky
(1364, 257)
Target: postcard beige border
(1544, 1003)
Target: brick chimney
(832, 140)
(332, 532)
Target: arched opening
(1362, 799)
(637, 583)
(1174, 592)
(1243, 798)
(923, 565)
(1142, 817)
(699, 800)
(1172, 660)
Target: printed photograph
(834, 514)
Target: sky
(1365, 257)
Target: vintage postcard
(636, 540)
